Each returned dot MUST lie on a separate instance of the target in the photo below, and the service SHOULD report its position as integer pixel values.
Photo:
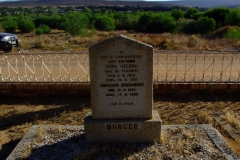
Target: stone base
(123, 131)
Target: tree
(26, 26)
(187, 26)
(104, 23)
(28, 11)
(143, 20)
(218, 14)
(233, 18)
(157, 22)
(205, 25)
(126, 21)
(54, 21)
(86, 10)
(51, 11)
(75, 23)
(177, 14)
(10, 25)
(192, 13)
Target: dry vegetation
(59, 40)
(232, 118)
(20, 114)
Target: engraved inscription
(131, 126)
(121, 78)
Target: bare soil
(21, 114)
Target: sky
(133, 0)
(160, 0)
(7, 0)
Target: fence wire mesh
(54, 67)
(196, 67)
(168, 67)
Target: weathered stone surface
(121, 71)
(123, 131)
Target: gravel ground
(186, 143)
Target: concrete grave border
(213, 134)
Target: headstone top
(120, 39)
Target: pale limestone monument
(121, 72)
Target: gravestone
(121, 72)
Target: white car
(7, 41)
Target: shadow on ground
(7, 148)
(61, 105)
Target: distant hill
(79, 3)
(185, 3)
(205, 3)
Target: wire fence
(168, 67)
(54, 67)
(196, 67)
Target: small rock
(167, 157)
(197, 147)
(187, 152)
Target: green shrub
(192, 13)
(104, 23)
(26, 26)
(126, 21)
(233, 33)
(39, 31)
(53, 21)
(76, 23)
(233, 18)
(157, 23)
(177, 14)
(45, 28)
(218, 14)
(165, 46)
(143, 20)
(205, 25)
(10, 25)
(187, 26)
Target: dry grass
(234, 145)
(232, 118)
(197, 110)
(40, 133)
(205, 117)
(59, 40)
(27, 152)
(220, 32)
(185, 139)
